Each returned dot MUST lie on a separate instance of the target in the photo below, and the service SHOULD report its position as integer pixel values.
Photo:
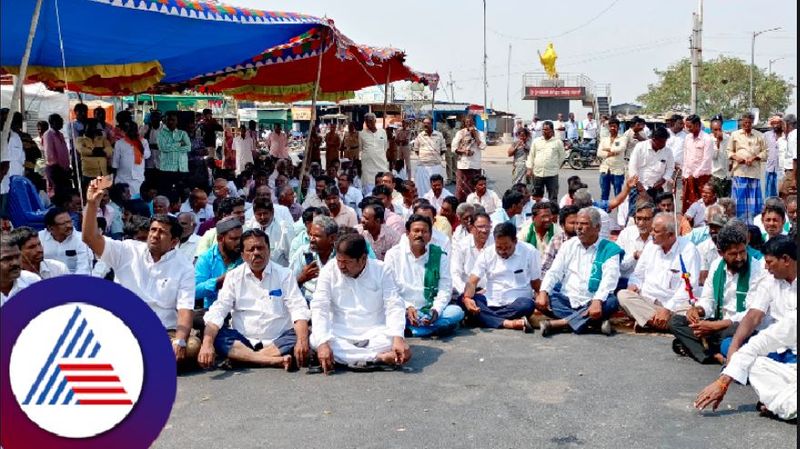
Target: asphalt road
(480, 389)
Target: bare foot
(287, 362)
(386, 358)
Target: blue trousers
(493, 317)
(783, 357)
(606, 179)
(771, 189)
(446, 324)
(559, 304)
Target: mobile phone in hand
(309, 258)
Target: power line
(570, 31)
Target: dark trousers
(679, 325)
(549, 182)
(578, 322)
(493, 317)
(170, 180)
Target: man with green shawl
(421, 271)
(587, 270)
(722, 304)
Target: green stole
(431, 279)
(533, 240)
(606, 249)
(742, 287)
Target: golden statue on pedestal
(548, 60)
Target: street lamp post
(772, 61)
(753, 61)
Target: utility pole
(772, 61)
(696, 49)
(485, 57)
(753, 61)
(508, 81)
(450, 84)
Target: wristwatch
(180, 342)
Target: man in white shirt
(468, 144)
(187, 245)
(280, 233)
(632, 240)
(656, 290)
(244, 146)
(572, 128)
(13, 161)
(438, 237)
(422, 273)
(467, 250)
(198, 204)
(373, 143)
(587, 267)
(722, 304)
(154, 271)
(484, 196)
(32, 254)
(350, 195)
(437, 192)
(774, 382)
(589, 128)
(466, 216)
(675, 127)
(358, 316)
(511, 272)
(12, 277)
(429, 147)
(715, 220)
(343, 215)
(790, 153)
(653, 164)
(540, 229)
(536, 127)
(62, 242)
(768, 360)
(309, 259)
(269, 317)
(316, 198)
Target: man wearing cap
(772, 137)
(213, 265)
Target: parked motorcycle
(582, 155)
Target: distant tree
(724, 87)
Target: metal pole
(752, 64)
(386, 93)
(508, 81)
(20, 81)
(485, 96)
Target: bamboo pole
(20, 81)
(386, 94)
(304, 164)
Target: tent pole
(304, 164)
(386, 94)
(20, 81)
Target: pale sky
(611, 41)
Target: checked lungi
(747, 193)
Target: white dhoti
(422, 176)
(776, 386)
(364, 348)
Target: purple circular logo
(86, 364)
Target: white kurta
(572, 268)
(358, 317)
(244, 148)
(373, 154)
(409, 273)
(774, 382)
(128, 171)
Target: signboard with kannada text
(572, 93)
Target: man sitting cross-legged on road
(656, 289)
(358, 316)
(587, 267)
(723, 301)
(422, 272)
(269, 316)
(512, 272)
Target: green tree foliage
(724, 87)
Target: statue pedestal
(551, 83)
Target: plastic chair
(24, 206)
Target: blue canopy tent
(176, 40)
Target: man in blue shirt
(214, 264)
